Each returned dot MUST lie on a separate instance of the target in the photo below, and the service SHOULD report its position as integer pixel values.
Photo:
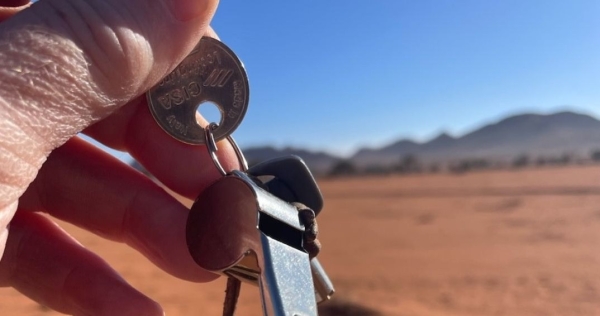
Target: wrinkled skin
(70, 66)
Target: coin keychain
(210, 73)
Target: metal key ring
(211, 146)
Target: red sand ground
(490, 243)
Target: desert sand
(521, 242)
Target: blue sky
(338, 75)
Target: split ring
(211, 146)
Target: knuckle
(111, 40)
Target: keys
(244, 225)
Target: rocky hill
(535, 135)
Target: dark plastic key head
(292, 181)
(238, 229)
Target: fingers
(47, 265)
(65, 64)
(87, 187)
(186, 169)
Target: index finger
(184, 168)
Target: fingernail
(185, 10)
(7, 10)
(14, 3)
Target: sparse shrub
(565, 159)
(521, 161)
(541, 161)
(377, 170)
(343, 168)
(409, 164)
(457, 168)
(434, 168)
(471, 164)
(595, 155)
(478, 164)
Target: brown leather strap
(311, 229)
(232, 293)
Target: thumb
(65, 64)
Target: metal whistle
(239, 229)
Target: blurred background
(459, 139)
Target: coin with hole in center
(210, 73)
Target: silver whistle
(241, 230)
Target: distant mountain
(535, 135)
(318, 162)
(531, 134)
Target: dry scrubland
(491, 243)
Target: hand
(72, 65)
